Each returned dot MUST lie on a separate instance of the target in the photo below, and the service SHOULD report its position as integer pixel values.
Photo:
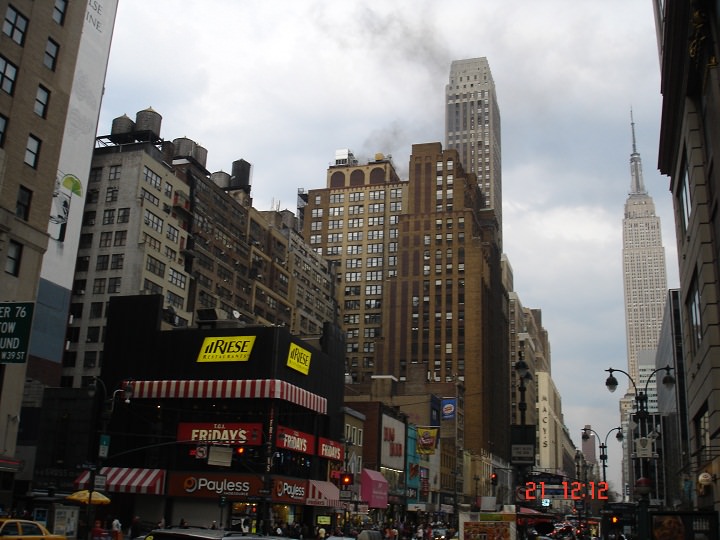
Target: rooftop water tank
(200, 155)
(122, 128)
(221, 179)
(241, 175)
(184, 147)
(147, 125)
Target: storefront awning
(323, 494)
(374, 489)
(229, 389)
(126, 480)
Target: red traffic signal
(347, 479)
(240, 451)
(493, 479)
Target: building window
(105, 239)
(114, 173)
(694, 314)
(3, 129)
(8, 74)
(111, 195)
(117, 261)
(42, 99)
(99, 286)
(153, 221)
(95, 174)
(114, 284)
(15, 25)
(59, 11)
(14, 257)
(152, 178)
(108, 216)
(22, 205)
(52, 49)
(32, 151)
(96, 310)
(172, 233)
(120, 238)
(93, 335)
(101, 263)
(155, 266)
(82, 264)
(123, 215)
(176, 278)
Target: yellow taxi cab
(17, 529)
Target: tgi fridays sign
(330, 449)
(297, 441)
(220, 433)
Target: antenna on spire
(632, 127)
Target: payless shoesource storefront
(195, 496)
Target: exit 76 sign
(15, 324)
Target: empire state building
(644, 274)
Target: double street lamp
(108, 407)
(643, 484)
(603, 445)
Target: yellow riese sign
(226, 349)
(299, 359)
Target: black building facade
(226, 423)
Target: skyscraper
(472, 127)
(644, 277)
(645, 286)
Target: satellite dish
(235, 314)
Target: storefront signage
(297, 441)
(289, 490)
(299, 359)
(205, 485)
(226, 349)
(330, 449)
(228, 433)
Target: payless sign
(299, 359)
(226, 349)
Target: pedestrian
(116, 529)
(135, 529)
(98, 533)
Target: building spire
(637, 186)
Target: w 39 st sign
(15, 325)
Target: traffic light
(614, 520)
(239, 451)
(493, 479)
(347, 479)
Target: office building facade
(472, 127)
(52, 71)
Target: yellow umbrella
(85, 496)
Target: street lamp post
(108, 407)
(643, 484)
(603, 445)
(524, 375)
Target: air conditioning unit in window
(81, 292)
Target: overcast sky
(283, 84)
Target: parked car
(440, 534)
(11, 528)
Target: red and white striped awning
(126, 480)
(229, 389)
(323, 494)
